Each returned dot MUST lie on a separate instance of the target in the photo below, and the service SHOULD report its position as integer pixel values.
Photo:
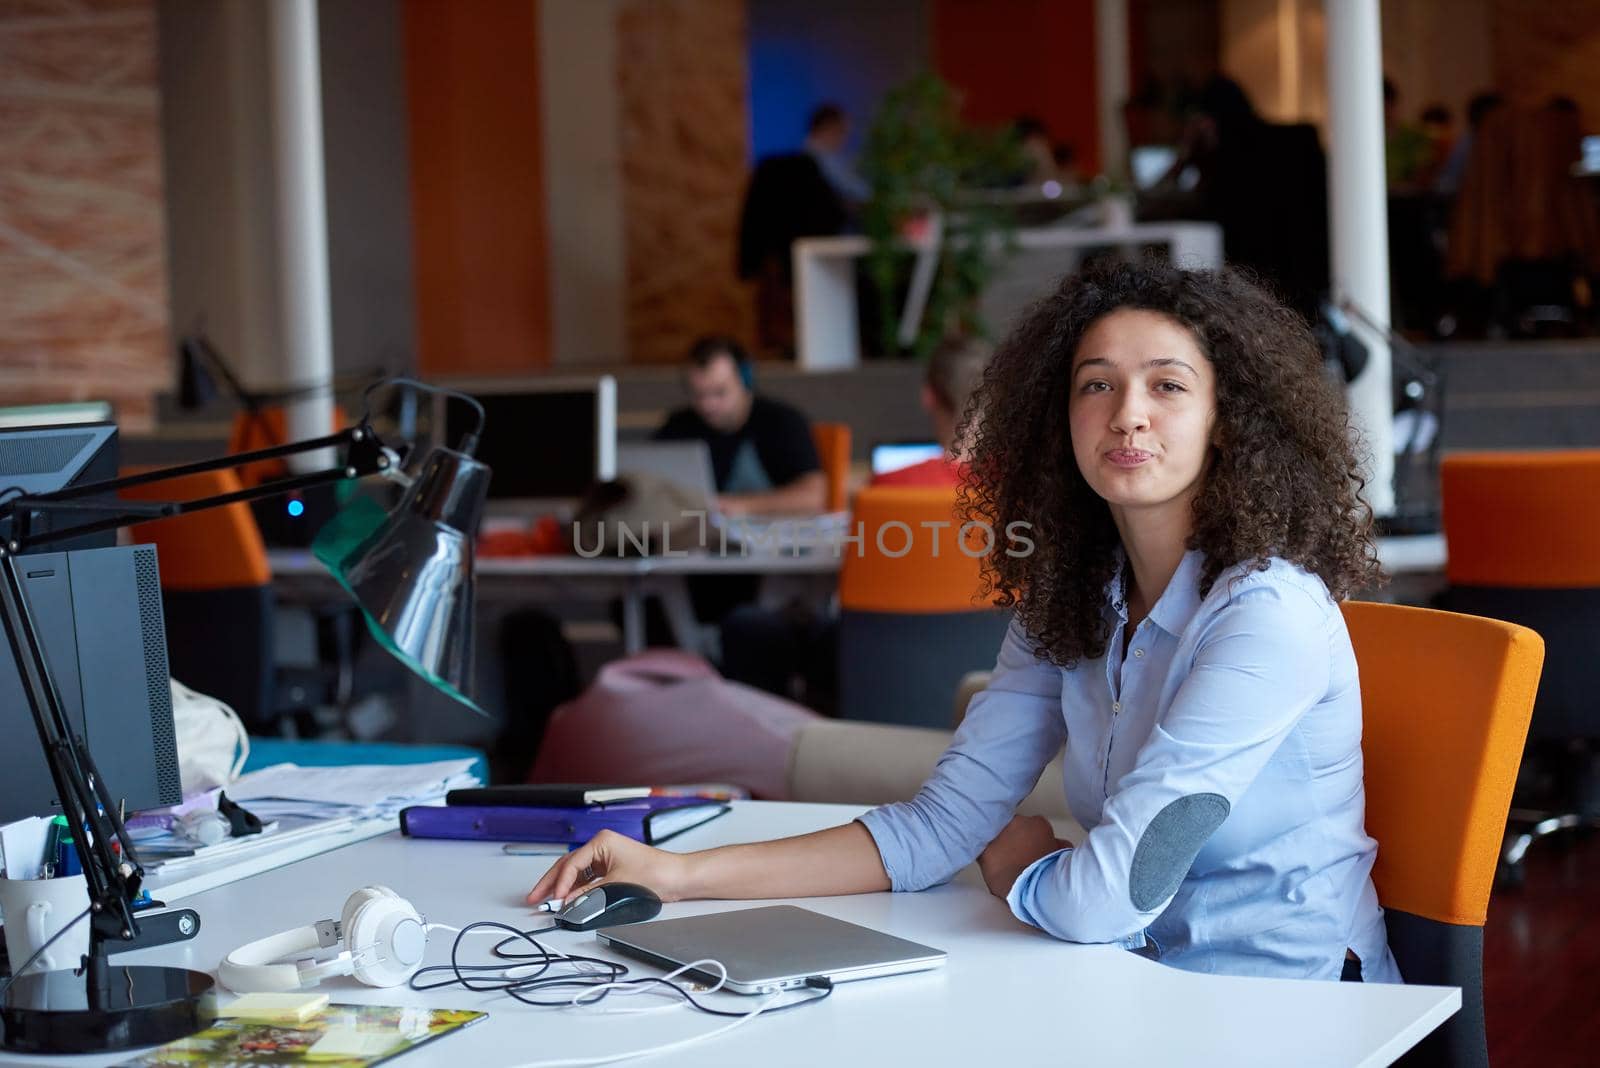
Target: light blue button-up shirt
(1246, 702)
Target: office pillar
(1111, 83)
(1359, 223)
(299, 194)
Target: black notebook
(546, 795)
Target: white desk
(1009, 994)
(825, 303)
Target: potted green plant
(925, 167)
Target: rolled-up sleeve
(1011, 731)
(1261, 663)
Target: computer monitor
(1149, 163)
(43, 459)
(61, 414)
(97, 609)
(542, 444)
(893, 455)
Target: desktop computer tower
(98, 614)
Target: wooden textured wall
(682, 91)
(83, 297)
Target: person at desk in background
(1190, 478)
(954, 371)
(762, 454)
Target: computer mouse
(609, 905)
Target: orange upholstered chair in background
(216, 594)
(1445, 705)
(911, 622)
(1524, 536)
(833, 449)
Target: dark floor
(1542, 959)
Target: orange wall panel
(477, 186)
(1023, 57)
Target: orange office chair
(833, 449)
(1524, 536)
(1445, 705)
(910, 623)
(216, 595)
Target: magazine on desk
(340, 1036)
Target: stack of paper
(360, 790)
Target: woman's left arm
(1262, 663)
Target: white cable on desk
(583, 1062)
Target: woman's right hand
(610, 857)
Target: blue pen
(70, 863)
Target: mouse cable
(512, 977)
(594, 977)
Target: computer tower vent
(41, 455)
(148, 577)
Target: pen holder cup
(34, 910)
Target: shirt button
(1138, 653)
(1116, 706)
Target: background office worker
(954, 371)
(1189, 477)
(762, 453)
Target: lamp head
(411, 571)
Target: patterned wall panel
(684, 134)
(82, 264)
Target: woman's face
(1142, 409)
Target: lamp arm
(366, 456)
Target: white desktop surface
(1009, 994)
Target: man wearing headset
(762, 454)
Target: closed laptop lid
(772, 947)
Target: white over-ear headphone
(381, 939)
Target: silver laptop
(776, 947)
(688, 463)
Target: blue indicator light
(297, 508)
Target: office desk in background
(1009, 994)
(298, 577)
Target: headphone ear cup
(385, 937)
(747, 375)
(353, 905)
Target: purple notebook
(651, 820)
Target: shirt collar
(1178, 602)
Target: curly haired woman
(1191, 483)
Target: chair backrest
(1522, 519)
(833, 449)
(216, 594)
(1524, 536)
(1445, 705)
(909, 559)
(911, 620)
(262, 429)
(1446, 700)
(220, 548)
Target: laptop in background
(776, 947)
(893, 455)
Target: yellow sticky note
(289, 1007)
(349, 1042)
